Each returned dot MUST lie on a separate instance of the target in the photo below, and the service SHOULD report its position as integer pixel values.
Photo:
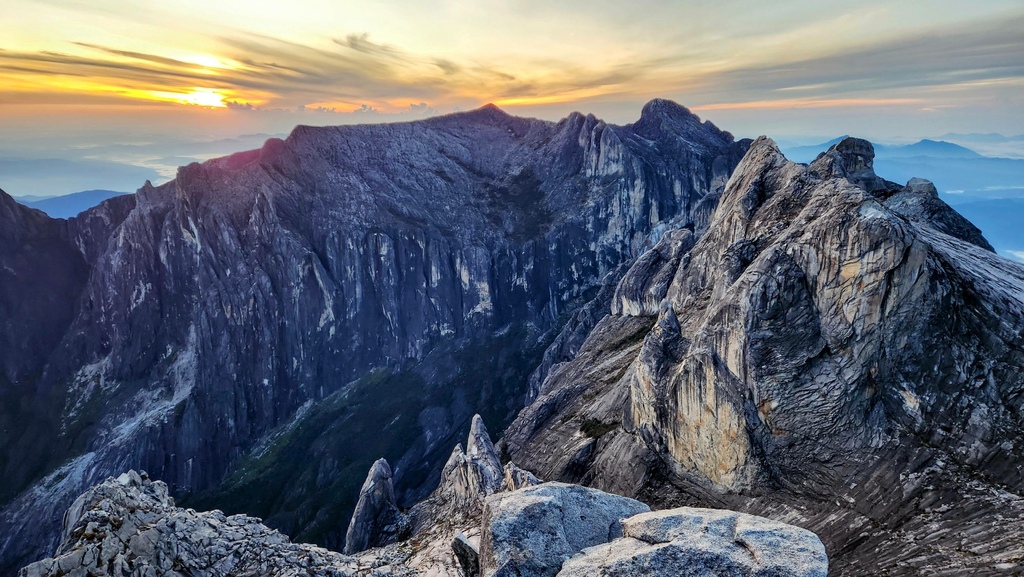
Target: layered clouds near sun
(753, 66)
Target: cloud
(268, 72)
(928, 70)
(362, 43)
(949, 57)
(806, 103)
(447, 66)
(239, 105)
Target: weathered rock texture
(836, 351)
(130, 526)
(447, 523)
(467, 554)
(703, 542)
(335, 275)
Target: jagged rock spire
(479, 444)
(377, 519)
(473, 474)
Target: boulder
(697, 542)
(532, 531)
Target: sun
(204, 97)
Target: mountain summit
(836, 350)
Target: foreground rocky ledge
(494, 525)
(129, 526)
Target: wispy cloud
(806, 103)
(271, 72)
(973, 53)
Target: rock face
(446, 524)
(203, 321)
(516, 478)
(532, 531)
(703, 542)
(836, 351)
(130, 526)
(376, 520)
(44, 265)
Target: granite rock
(530, 532)
(835, 351)
(377, 519)
(129, 525)
(699, 542)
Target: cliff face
(206, 318)
(44, 266)
(836, 350)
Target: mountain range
(68, 205)
(656, 310)
(389, 280)
(921, 148)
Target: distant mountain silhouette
(932, 148)
(68, 205)
(925, 147)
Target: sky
(158, 83)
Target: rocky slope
(474, 523)
(314, 291)
(836, 351)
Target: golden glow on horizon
(204, 97)
(556, 98)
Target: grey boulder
(532, 531)
(690, 541)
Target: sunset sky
(95, 73)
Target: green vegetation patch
(595, 428)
